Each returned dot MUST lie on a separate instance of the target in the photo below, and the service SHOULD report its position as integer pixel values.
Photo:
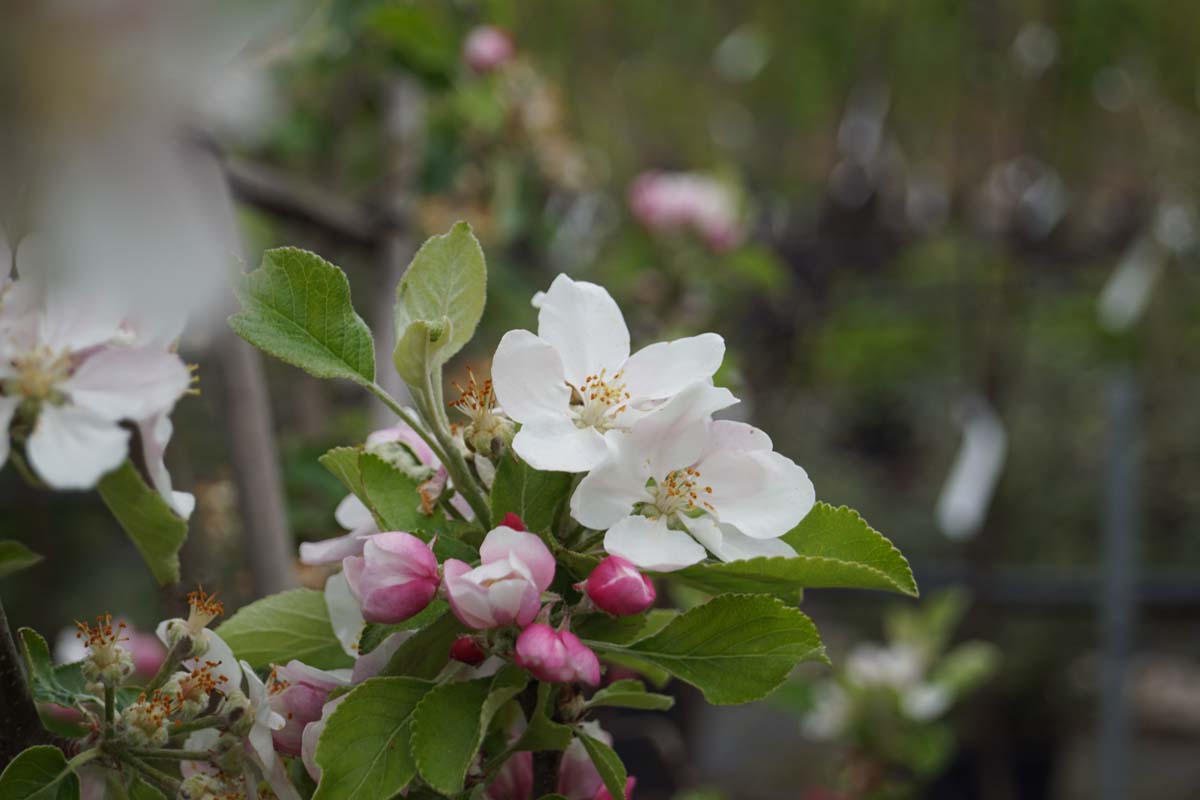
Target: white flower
(679, 480)
(899, 666)
(70, 360)
(830, 712)
(575, 379)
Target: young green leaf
(278, 628)
(445, 283)
(39, 773)
(834, 548)
(43, 677)
(425, 653)
(734, 648)
(450, 723)
(624, 630)
(607, 763)
(534, 496)
(630, 694)
(342, 463)
(156, 530)
(364, 752)
(543, 733)
(296, 306)
(15, 557)
(374, 633)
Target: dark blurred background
(959, 287)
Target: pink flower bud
(394, 578)
(511, 520)
(514, 781)
(312, 734)
(507, 587)
(467, 651)
(616, 586)
(486, 48)
(297, 693)
(556, 656)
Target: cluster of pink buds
(487, 48)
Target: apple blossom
(507, 586)
(487, 48)
(70, 363)
(108, 661)
(204, 647)
(297, 693)
(680, 482)
(575, 379)
(394, 578)
(617, 587)
(668, 201)
(312, 734)
(556, 656)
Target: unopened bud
(468, 651)
(617, 587)
(556, 656)
(394, 579)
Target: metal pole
(1117, 602)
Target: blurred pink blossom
(672, 201)
(487, 48)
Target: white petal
(155, 433)
(74, 318)
(607, 494)
(345, 615)
(221, 654)
(663, 369)
(353, 514)
(332, 551)
(730, 435)
(583, 323)
(120, 383)
(762, 494)
(651, 545)
(557, 445)
(72, 448)
(737, 546)
(528, 378)
(8, 407)
(675, 435)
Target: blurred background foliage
(932, 197)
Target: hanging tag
(969, 487)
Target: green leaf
(156, 530)
(630, 694)
(39, 773)
(624, 630)
(543, 733)
(342, 462)
(374, 633)
(607, 763)
(734, 648)
(364, 751)
(834, 548)
(296, 306)
(418, 349)
(392, 495)
(15, 557)
(450, 723)
(43, 677)
(278, 628)
(425, 653)
(446, 286)
(534, 496)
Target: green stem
(169, 665)
(159, 778)
(84, 757)
(197, 724)
(174, 755)
(407, 418)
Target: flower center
(476, 400)
(203, 608)
(103, 640)
(599, 401)
(680, 493)
(40, 371)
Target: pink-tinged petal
(468, 600)
(736, 436)
(578, 778)
(155, 433)
(409, 438)
(584, 324)
(370, 664)
(71, 321)
(502, 542)
(528, 378)
(220, 654)
(761, 493)
(312, 736)
(603, 794)
(514, 781)
(584, 666)
(651, 545)
(666, 368)
(8, 407)
(72, 448)
(352, 514)
(332, 551)
(119, 383)
(540, 650)
(513, 600)
(617, 587)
